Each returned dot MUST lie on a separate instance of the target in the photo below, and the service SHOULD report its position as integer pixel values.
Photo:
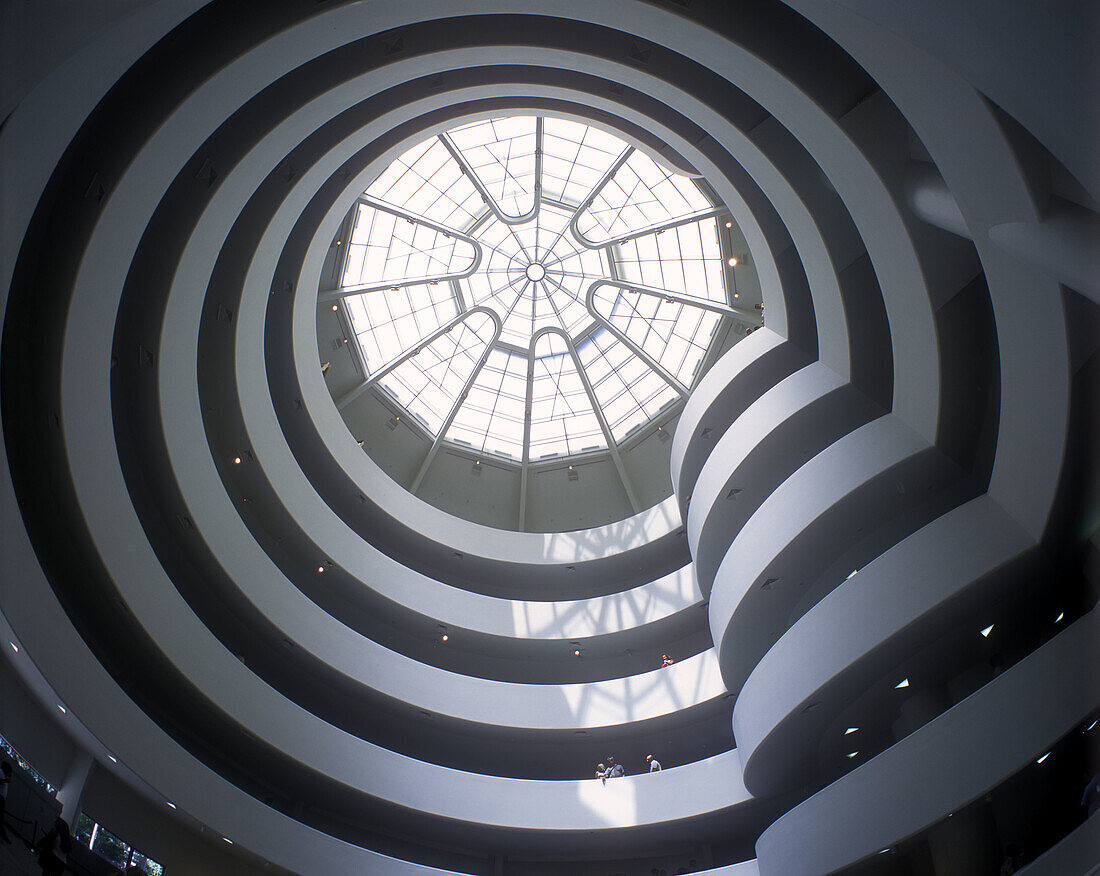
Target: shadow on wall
(606, 614)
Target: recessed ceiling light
(576, 653)
(320, 569)
(15, 647)
(851, 754)
(112, 758)
(729, 225)
(1093, 724)
(1060, 618)
(1044, 757)
(903, 683)
(732, 261)
(446, 637)
(171, 805)
(850, 730)
(987, 631)
(334, 307)
(227, 840)
(236, 460)
(64, 711)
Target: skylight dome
(533, 288)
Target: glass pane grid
(685, 259)
(386, 248)
(428, 383)
(502, 154)
(534, 275)
(426, 181)
(640, 195)
(677, 335)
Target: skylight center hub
(535, 272)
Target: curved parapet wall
(230, 596)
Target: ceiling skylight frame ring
(480, 211)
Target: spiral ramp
(902, 457)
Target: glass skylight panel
(685, 259)
(385, 248)
(534, 274)
(428, 383)
(562, 420)
(677, 335)
(502, 154)
(426, 181)
(575, 158)
(491, 420)
(641, 194)
(627, 390)
(387, 324)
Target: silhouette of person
(5, 783)
(54, 848)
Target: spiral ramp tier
(242, 613)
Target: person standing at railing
(5, 783)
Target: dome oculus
(533, 287)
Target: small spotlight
(227, 840)
(334, 307)
(987, 631)
(903, 683)
(576, 653)
(64, 711)
(1093, 724)
(446, 637)
(884, 851)
(112, 758)
(236, 460)
(14, 647)
(729, 225)
(320, 569)
(1044, 757)
(732, 261)
(851, 754)
(1061, 617)
(736, 294)
(850, 730)
(170, 804)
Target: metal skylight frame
(574, 168)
